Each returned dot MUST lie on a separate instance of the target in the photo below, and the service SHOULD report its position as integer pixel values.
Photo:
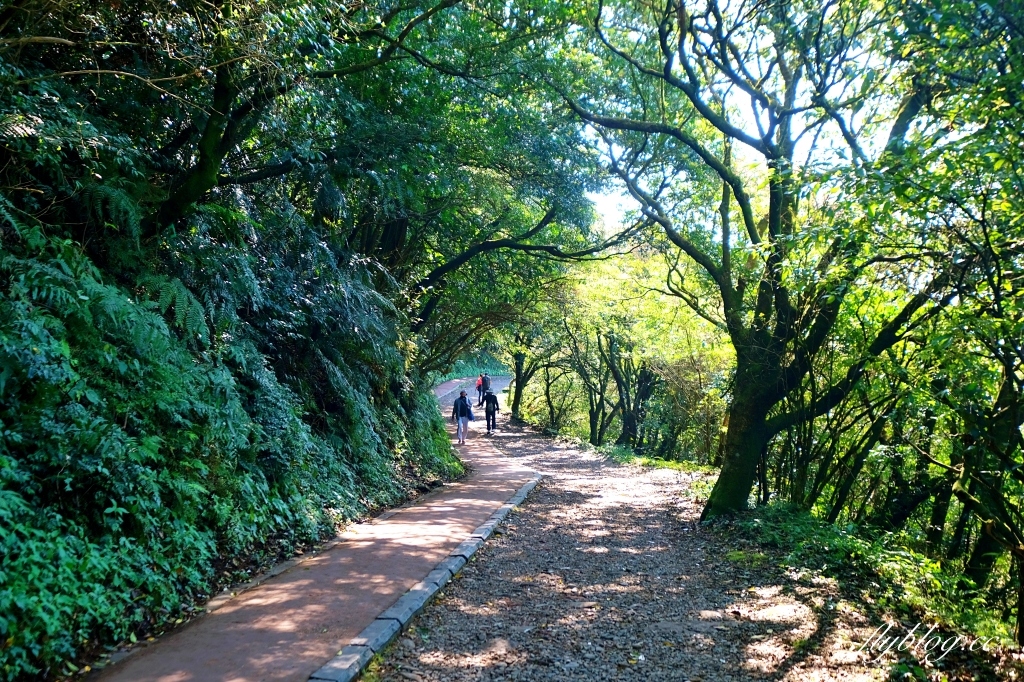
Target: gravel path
(604, 574)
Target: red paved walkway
(293, 623)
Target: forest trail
(287, 627)
(604, 573)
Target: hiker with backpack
(491, 411)
(462, 412)
(485, 385)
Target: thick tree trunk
(518, 383)
(746, 437)
(595, 412)
(632, 412)
(605, 422)
(957, 542)
(627, 436)
(979, 566)
(595, 418)
(211, 149)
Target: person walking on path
(462, 412)
(485, 385)
(479, 390)
(491, 411)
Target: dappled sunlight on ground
(603, 574)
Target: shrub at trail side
(132, 461)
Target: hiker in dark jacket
(462, 412)
(485, 385)
(491, 410)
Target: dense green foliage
(612, 358)
(893, 579)
(474, 364)
(237, 240)
(134, 460)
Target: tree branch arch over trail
(432, 284)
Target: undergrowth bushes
(205, 416)
(890, 576)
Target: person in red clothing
(480, 390)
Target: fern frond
(46, 283)
(108, 205)
(30, 234)
(189, 314)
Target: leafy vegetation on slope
(233, 239)
(892, 578)
(133, 461)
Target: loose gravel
(605, 574)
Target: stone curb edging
(351, 660)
